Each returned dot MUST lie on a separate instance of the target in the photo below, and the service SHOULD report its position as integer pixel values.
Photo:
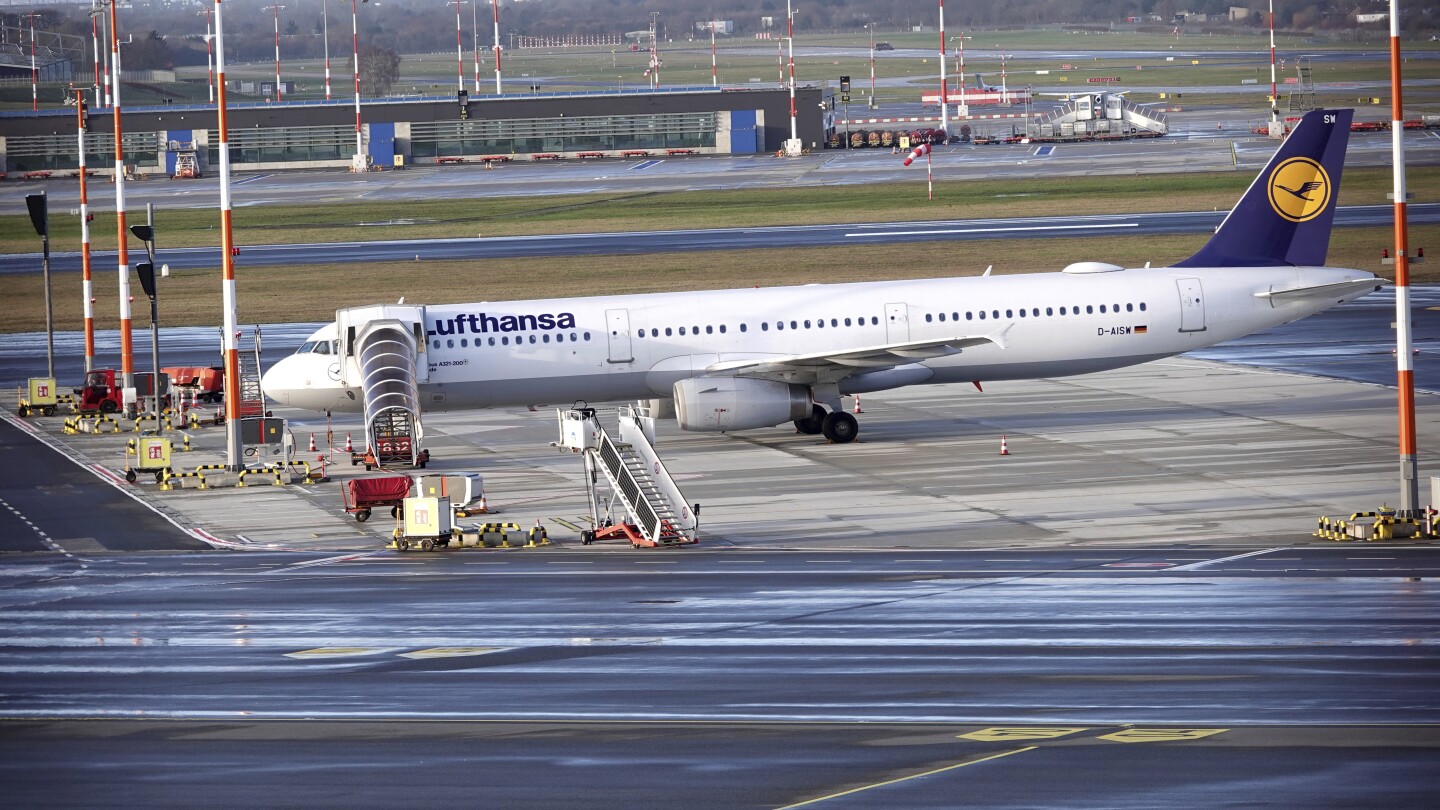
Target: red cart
(365, 494)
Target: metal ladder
(252, 398)
(636, 476)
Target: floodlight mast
(325, 25)
(122, 253)
(1404, 363)
(495, 5)
(228, 336)
(459, 48)
(279, 94)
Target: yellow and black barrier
(537, 536)
(171, 476)
(90, 424)
(277, 472)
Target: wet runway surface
(1128, 677)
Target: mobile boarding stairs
(656, 512)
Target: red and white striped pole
(495, 4)
(359, 160)
(122, 251)
(325, 26)
(34, 73)
(279, 94)
(944, 97)
(714, 73)
(95, 47)
(459, 48)
(790, 39)
(86, 289)
(227, 262)
(1405, 368)
(1274, 92)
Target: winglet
(1284, 217)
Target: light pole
(714, 73)
(278, 92)
(227, 260)
(38, 204)
(209, 54)
(358, 162)
(95, 43)
(325, 26)
(944, 95)
(122, 251)
(790, 40)
(459, 49)
(146, 233)
(871, 27)
(475, 42)
(495, 5)
(962, 110)
(34, 73)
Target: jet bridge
(656, 512)
(384, 351)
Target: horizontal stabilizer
(1341, 289)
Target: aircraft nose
(282, 382)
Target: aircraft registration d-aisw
(755, 358)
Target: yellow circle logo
(1299, 189)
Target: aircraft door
(897, 323)
(1192, 305)
(617, 327)
(1114, 107)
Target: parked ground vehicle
(362, 495)
(206, 383)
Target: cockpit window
(306, 348)
(322, 347)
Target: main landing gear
(837, 426)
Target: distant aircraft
(1071, 96)
(755, 358)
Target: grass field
(518, 216)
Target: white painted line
(1193, 566)
(941, 232)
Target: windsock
(918, 152)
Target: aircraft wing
(1339, 289)
(823, 367)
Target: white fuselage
(637, 346)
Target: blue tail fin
(1284, 217)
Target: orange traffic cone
(1004, 448)
(349, 447)
(312, 442)
(857, 404)
(484, 509)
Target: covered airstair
(386, 345)
(1100, 114)
(655, 512)
(252, 399)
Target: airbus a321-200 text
(756, 358)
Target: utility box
(153, 453)
(42, 392)
(427, 517)
(262, 430)
(1434, 492)
(794, 147)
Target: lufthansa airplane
(754, 358)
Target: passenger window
(682, 330)
(505, 341)
(722, 326)
(764, 325)
(1049, 311)
(449, 344)
(995, 313)
(437, 345)
(546, 337)
(1142, 306)
(794, 325)
(982, 314)
(587, 336)
(709, 330)
(532, 338)
(574, 337)
(1009, 313)
(1035, 312)
(1102, 309)
(1062, 310)
(641, 333)
(874, 320)
(492, 341)
(722, 329)
(847, 321)
(1022, 312)
(820, 324)
(927, 317)
(970, 316)
(1089, 310)
(1129, 307)
(780, 326)
(834, 322)
(464, 343)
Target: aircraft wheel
(812, 424)
(840, 427)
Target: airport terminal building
(397, 132)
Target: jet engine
(738, 403)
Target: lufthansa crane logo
(1299, 189)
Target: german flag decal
(1140, 330)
